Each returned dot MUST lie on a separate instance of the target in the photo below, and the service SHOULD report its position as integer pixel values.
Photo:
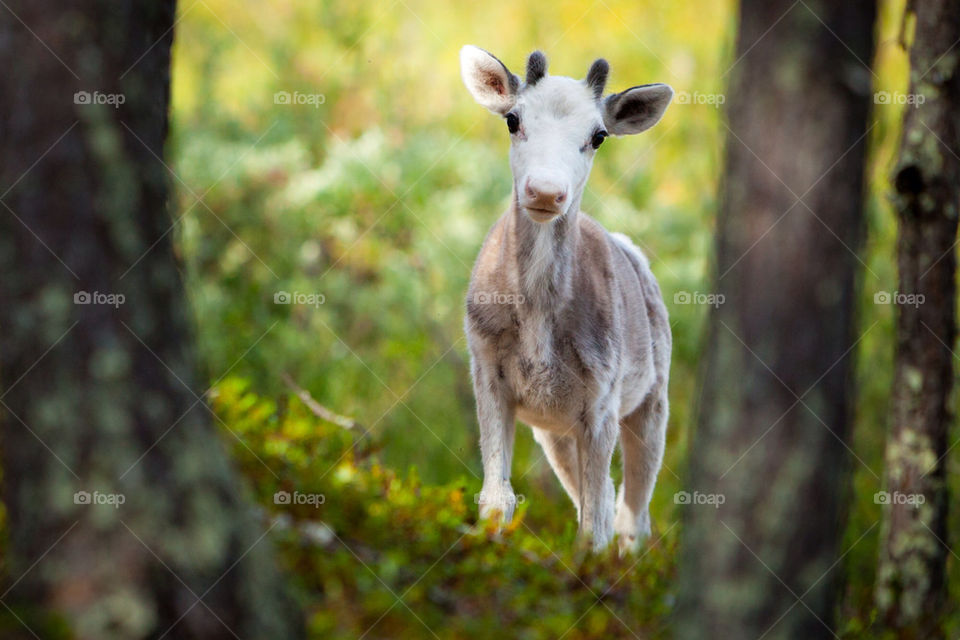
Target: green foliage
(388, 555)
(378, 200)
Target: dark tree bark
(776, 403)
(911, 580)
(103, 398)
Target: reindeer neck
(544, 255)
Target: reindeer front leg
(495, 413)
(596, 443)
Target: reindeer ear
(488, 80)
(636, 109)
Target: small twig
(316, 408)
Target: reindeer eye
(513, 122)
(597, 139)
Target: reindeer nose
(544, 194)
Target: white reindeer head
(557, 123)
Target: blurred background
(380, 197)
(373, 188)
(330, 181)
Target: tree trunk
(122, 508)
(775, 408)
(911, 581)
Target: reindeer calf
(565, 322)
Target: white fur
(627, 244)
(558, 117)
(542, 263)
(539, 359)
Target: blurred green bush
(379, 553)
(378, 194)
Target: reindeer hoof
(497, 503)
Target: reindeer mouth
(542, 215)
